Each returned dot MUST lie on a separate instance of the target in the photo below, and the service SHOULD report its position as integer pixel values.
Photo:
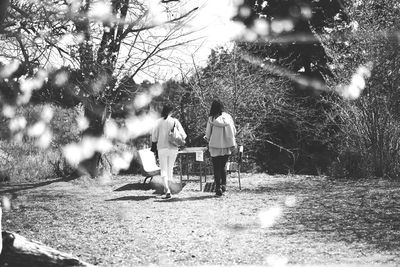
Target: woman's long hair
(216, 109)
(166, 110)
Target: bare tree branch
(130, 28)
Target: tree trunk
(3, 11)
(96, 115)
(18, 251)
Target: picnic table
(186, 159)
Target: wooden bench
(149, 167)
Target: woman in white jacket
(220, 134)
(167, 152)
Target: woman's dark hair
(166, 110)
(216, 108)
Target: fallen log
(18, 251)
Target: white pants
(167, 159)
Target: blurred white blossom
(264, 4)
(250, 36)
(111, 129)
(6, 203)
(29, 84)
(142, 100)
(37, 129)
(244, 11)
(261, 27)
(101, 11)
(44, 140)
(83, 123)
(269, 216)
(122, 162)
(77, 152)
(156, 14)
(279, 26)
(72, 153)
(47, 113)
(17, 124)
(156, 90)
(8, 69)
(358, 82)
(61, 78)
(8, 111)
(140, 125)
(103, 145)
(306, 12)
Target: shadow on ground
(181, 199)
(157, 187)
(134, 186)
(131, 198)
(6, 188)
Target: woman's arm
(154, 134)
(180, 129)
(208, 130)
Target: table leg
(187, 167)
(201, 177)
(240, 186)
(180, 167)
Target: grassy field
(273, 220)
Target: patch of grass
(23, 162)
(293, 219)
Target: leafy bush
(24, 161)
(369, 124)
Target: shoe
(218, 192)
(168, 195)
(223, 188)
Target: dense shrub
(26, 163)
(23, 161)
(368, 144)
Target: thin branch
(131, 25)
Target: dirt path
(273, 219)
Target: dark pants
(219, 163)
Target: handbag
(175, 138)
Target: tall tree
(287, 32)
(366, 60)
(103, 41)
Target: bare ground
(273, 219)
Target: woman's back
(161, 132)
(221, 131)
